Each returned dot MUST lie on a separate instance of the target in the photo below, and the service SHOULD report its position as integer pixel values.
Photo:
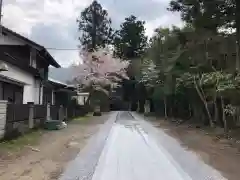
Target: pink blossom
(100, 67)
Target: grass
(29, 139)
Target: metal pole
(1, 4)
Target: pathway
(129, 148)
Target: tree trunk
(151, 106)
(141, 106)
(224, 117)
(237, 34)
(204, 103)
(215, 110)
(94, 30)
(190, 111)
(165, 108)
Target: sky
(52, 23)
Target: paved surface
(131, 149)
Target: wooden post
(3, 117)
(48, 111)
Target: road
(130, 148)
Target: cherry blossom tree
(99, 73)
(100, 68)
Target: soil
(47, 160)
(209, 144)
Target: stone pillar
(147, 107)
(61, 113)
(3, 117)
(48, 111)
(31, 115)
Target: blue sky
(52, 23)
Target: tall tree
(94, 26)
(203, 14)
(211, 15)
(130, 41)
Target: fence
(20, 118)
(17, 116)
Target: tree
(94, 26)
(202, 14)
(130, 41)
(100, 68)
(163, 47)
(195, 74)
(211, 15)
(99, 73)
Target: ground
(47, 153)
(46, 158)
(210, 146)
(135, 149)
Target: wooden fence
(17, 116)
(54, 112)
(40, 112)
(20, 118)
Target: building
(58, 93)
(26, 68)
(68, 79)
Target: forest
(188, 73)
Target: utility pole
(1, 4)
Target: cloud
(52, 23)
(167, 20)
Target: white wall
(37, 92)
(80, 98)
(30, 91)
(9, 40)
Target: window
(33, 57)
(12, 93)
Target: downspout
(40, 91)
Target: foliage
(205, 14)
(94, 26)
(149, 73)
(230, 110)
(130, 41)
(192, 65)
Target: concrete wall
(30, 92)
(3, 111)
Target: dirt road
(47, 160)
